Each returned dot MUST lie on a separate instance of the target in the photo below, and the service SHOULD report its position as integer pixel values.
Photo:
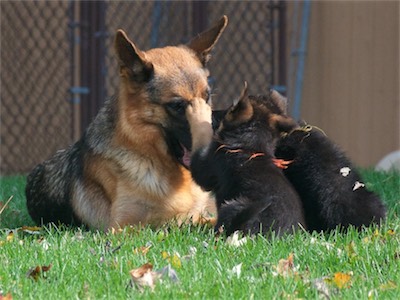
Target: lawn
(191, 263)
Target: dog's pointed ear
(133, 63)
(205, 41)
(279, 100)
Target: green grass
(15, 213)
(96, 265)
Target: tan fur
(128, 167)
(138, 181)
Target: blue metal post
(301, 58)
(156, 20)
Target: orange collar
(280, 163)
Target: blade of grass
(5, 205)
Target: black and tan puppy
(332, 191)
(237, 165)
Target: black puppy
(237, 165)
(332, 191)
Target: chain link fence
(244, 52)
(35, 77)
(58, 63)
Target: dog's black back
(252, 194)
(332, 191)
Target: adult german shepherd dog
(128, 166)
(237, 164)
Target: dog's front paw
(199, 116)
(198, 112)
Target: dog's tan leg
(127, 211)
(198, 114)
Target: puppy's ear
(279, 100)
(242, 110)
(133, 63)
(205, 41)
(283, 123)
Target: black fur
(328, 196)
(252, 194)
(65, 164)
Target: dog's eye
(177, 105)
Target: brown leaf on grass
(37, 271)
(285, 267)
(8, 296)
(327, 284)
(144, 276)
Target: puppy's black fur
(252, 193)
(318, 173)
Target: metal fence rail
(58, 64)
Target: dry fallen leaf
(143, 276)
(342, 280)
(358, 185)
(237, 270)
(8, 296)
(37, 271)
(285, 267)
(234, 241)
(345, 171)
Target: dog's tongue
(186, 157)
